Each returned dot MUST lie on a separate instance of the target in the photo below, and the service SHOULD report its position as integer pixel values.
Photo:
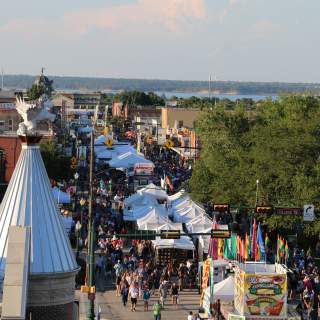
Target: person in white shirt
(190, 316)
(134, 293)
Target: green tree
(276, 142)
(57, 165)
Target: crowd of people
(304, 283)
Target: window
(10, 125)
(180, 123)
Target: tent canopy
(139, 199)
(184, 243)
(127, 160)
(224, 290)
(166, 226)
(156, 216)
(155, 191)
(60, 196)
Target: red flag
(254, 240)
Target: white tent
(166, 226)
(136, 213)
(187, 213)
(127, 160)
(184, 243)
(60, 196)
(224, 290)
(155, 216)
(155, 191)
(175, 197)
(199, 223)
(139, 199)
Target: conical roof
(29, 201)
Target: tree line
(276, 142)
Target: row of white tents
(151, 208)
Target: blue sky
(248, 40)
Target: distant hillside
(106, 84)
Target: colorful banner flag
(254, 240)
(262, 251)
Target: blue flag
(261, 243)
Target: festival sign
(265, 295)
(288, 211)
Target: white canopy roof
(184, 243)
(156, 216)
(155, 191)
(175, 197)
(200, 223)
(60, 196)
(29, 201)
(127, 160)
(224, 290)
(187, 213)
(166, 226)
(140, 199)
(136, 213)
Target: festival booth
(173, 251)
(166, 226)
(187, 213)
(259, 293)
(60, 196)
(127, 161)
(155, 216)
(155, 191)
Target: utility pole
(90, 263)
(2, 80)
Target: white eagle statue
(32, 113)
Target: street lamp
(82, 203)
(76, 177)
(78, 228)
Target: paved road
(112, 308)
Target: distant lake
(231, 97)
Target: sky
(241, 40)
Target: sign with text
(308, 212)
(217, 233)
(288, 211)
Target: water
(231, 97)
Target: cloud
(173, 15)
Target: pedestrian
(163, 290)
(134, 293)
(174, 294)
(157, 310)
(124, 294)
(100, 264)
(146, 297)
(190, 316)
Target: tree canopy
(134, 98)
(276, 143)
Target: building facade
(179, 117)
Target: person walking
(174, 294)
(146, 297)
(157, 310)
(134, 294)
(124, 294)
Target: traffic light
(221, 207)
(170, 234)
(264, 209)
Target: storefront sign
(143, 169)
(265, 295)
(288, 211)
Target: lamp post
(82, 203)
(76, 177)
(90, 262)
(78, 228)
(257, 191)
